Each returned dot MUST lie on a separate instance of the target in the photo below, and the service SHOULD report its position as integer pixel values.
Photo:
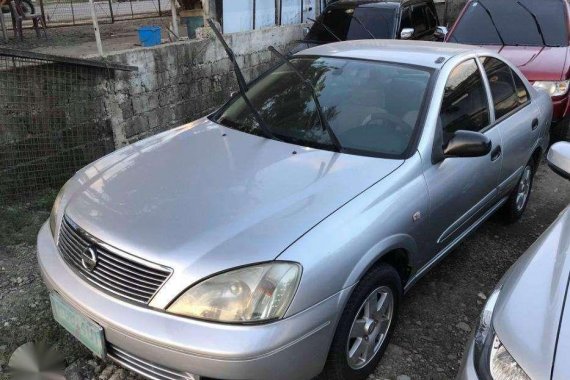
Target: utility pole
(174, 19)
(96, 29)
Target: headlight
(257, 293)
(492, 360)
(502, 364)
(55, 212)
(553, 88)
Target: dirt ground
(437, 316)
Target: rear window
(344, 23)
(523, 22)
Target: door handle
(534, 124)
(496, 153)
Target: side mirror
(306, 31)
(441, 33)
(467, 144)
(559, 159)
(407, 33)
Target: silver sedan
(275, 238)
(524, 331)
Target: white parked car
(524, 331)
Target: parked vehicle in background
(533, 34)
(524, 331)
(275, 238)
(357, 20)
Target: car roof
(420, 53)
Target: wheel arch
(398, 251)
(536, 157)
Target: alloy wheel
(370, 327)
(524, 188)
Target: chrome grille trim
(142, 367)
(116, 272)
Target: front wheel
(366, 326)
(518, 200)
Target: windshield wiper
(241, 83)
(363, 26)
(325, 28)
(493, 22)
(322, 118)
(538, 27)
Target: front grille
(145, 368)
(115, 272)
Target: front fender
(336, 253)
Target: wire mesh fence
(50, 125)
(76, 12)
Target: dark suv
(356, 20)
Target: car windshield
(378, 20)
(488, 22)
(372, 107)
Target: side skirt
(437, 258)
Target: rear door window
(465, 105)
(506, 96)
(522, 92)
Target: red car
(533, 34)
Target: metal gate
(77, 12)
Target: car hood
(210, 198)
(536, 62)
(529, 308)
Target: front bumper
(292, 348)
(467, 370)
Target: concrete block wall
(52, 122)
(180, 82)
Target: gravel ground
(436, 320)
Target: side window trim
(490, 102)
(494, 120)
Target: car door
(516, 118)
(462, 190)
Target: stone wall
(58, 117)
(180, 82)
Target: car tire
(520, 195)
(381, 283)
